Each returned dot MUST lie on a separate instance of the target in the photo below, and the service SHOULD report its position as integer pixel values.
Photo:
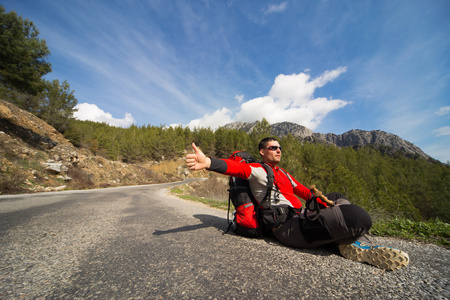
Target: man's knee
(334, 196)
(356, 217)
(337, 198)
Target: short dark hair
(265, 141)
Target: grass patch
(177, 191)
(213, 191)
(215, 187)
(181, 193)
(435, 231)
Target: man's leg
(345, 225)
(363, 250)
(331, 226)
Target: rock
(298, 131)
(60, 188)
(55, 167)
(55, 189)
(65, 177)
(359, 138)
(5, 112)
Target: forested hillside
(383, 184)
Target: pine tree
(23, 55)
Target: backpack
(247, 219)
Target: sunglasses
(274, 148)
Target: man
(342, 223)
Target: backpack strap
(230, 223)
(232, 184)
(270, 181)
(312, 208)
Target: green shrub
(12, 180)
(80, 179)
(434, 231)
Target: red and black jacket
(284, 189)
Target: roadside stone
(60, 188)
(64, 177)
(55, 167)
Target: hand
(198, 160)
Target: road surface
(141, 243)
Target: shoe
(382, 257)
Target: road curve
(141, 243)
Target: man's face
(270, 156)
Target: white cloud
(91, 112)
(239, 98)
(328, 76)
(291, 99)
(218, 118)
(442, 131)
(276, 8)
(443, 111)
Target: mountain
(386, 142)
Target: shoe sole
(381, 257)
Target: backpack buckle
(282, 210)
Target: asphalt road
(141, 243)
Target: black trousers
(342, 223)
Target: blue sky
(329, 65)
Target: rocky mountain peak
(298, 131)
(388, 142)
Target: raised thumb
(196, 149)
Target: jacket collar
(276, 168)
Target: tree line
(386, 185)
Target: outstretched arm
(197, 160)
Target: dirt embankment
(34, 157)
